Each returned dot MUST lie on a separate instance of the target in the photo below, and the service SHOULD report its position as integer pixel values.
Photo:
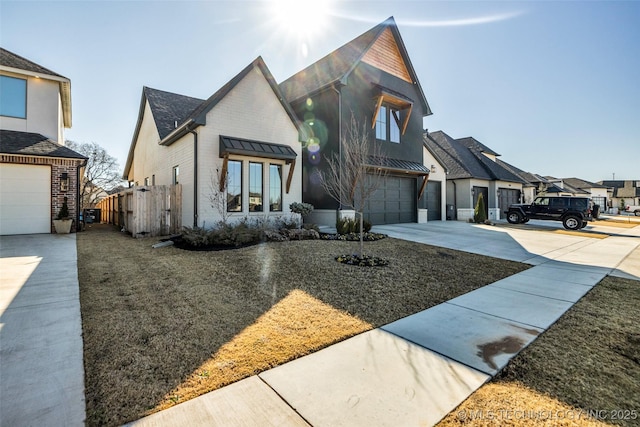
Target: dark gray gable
(10, 59)
(169, 110)
(33, 144)
(337, 65)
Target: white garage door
(25, 199)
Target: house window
(176, 175)
(388, 124)
(275, 188)
(255, 187)
(13, 97)
(381, 124)
(234, 186)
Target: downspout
(78, 195)
(454, 214)
(195, 177)
(339, 139)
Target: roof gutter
(179, 132)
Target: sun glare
(303, 19)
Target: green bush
(303, 209)
(479, 214)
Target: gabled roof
(336, 67)
(581, 183)
(11, 62)
(34, 144)
(176, 115)
(475, 145)
(465, 158)
(169, 109)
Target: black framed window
(255, 187)
(234, 186)
(275, 188)
(388, 124)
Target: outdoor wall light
(433, 168)
(64, 182)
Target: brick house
(37, 172)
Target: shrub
(195, 236)
(352, 225)
(479, 214)
(303, 209)
(64, 210)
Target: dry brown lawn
(583, 371)
(164, 325)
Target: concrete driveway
(612, 246)
(41, 362)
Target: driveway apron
(41, 359)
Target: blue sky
(554, 87)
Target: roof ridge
(45, 69)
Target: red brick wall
(58, 167)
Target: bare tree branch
(351, 179)
(101, 172)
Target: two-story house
(370, 79)
(37, 172)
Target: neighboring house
(621, 190)
(372, 80)
(36, 171)
(579, 187)
(474, 169)
(245, 131)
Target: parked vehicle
(634, 209)
(574, 212)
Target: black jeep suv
(574, 212)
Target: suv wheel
(514, 217)
(572, 222)
(584, 224)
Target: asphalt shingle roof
(10, 59)
(168, 108)
(33, 144)
(464, 159)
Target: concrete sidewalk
(416, 370)
(41, 360)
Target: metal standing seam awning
(402, 166)
(246, 147)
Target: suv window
(557, 203)
(544, 201)
(580, 204)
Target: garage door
(434, 201)
(394, 202)
(25, 193)
(507, 196)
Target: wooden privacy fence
(154, 210)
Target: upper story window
(391, 115)
(388, 124)
(13, 97)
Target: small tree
(304, 209)
(101, 173)
(350, 179)
(218, 195)
(479, 214)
